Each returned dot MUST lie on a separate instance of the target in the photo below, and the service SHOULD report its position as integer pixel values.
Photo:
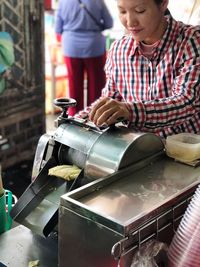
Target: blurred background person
(80, 23)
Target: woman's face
(144, 19)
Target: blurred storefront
(56, 83)
(187, 11)
(22, 112)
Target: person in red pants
(93, 68)
(81, 24)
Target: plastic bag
(151, 254)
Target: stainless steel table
(19, 245)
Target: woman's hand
(107, 111)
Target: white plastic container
(183, 146)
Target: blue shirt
(81, 36)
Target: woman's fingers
(107, 111)
(98, 108)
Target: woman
(81, 24)
(153, 73)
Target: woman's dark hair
(158, 2)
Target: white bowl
(183, 146)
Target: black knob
(64, 104)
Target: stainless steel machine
(104, 223)
(128, 192)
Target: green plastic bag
(6, 56)
(5, 208)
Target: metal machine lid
(76, 136)
(120, 147)
(105, 152)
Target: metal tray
(129, 197)
(37, 208)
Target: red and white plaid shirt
(163, 93)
